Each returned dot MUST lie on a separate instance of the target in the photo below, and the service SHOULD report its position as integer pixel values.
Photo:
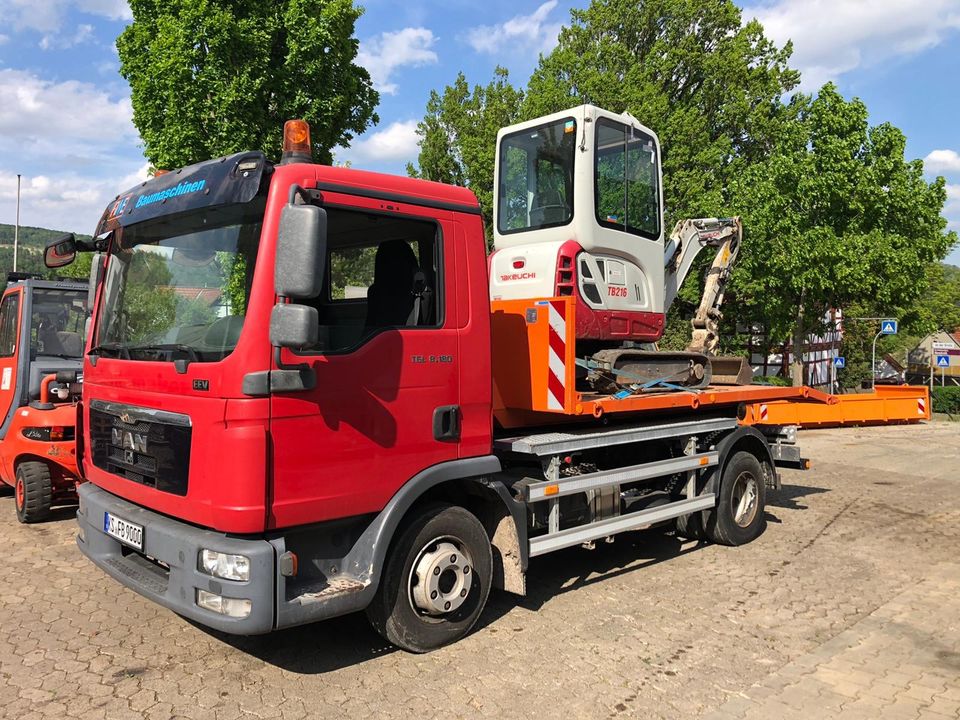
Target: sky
(65, 114)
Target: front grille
(144, 446)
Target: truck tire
(691, 527)
(739, 515)
(436, 580)
(33, 492)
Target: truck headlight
(231, 607)
(224, 565)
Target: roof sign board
(840, 362)
(943, 361)
(888, 327)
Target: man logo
(128, 441)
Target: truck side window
(8, 324)
(382, 273)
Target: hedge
(946, 400)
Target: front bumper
(177, 546)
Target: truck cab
(194, 411)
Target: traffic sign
(840, 362)
(888, 327)
(943, 361)
(943, 346)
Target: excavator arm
(689, 237)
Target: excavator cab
(578, 212)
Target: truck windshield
(56, 322)
(536, 177)
(178, 286)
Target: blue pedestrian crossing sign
(840, 362)
(943, 361)
(888, 327)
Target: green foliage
(834, 218)
(774, 380)
(149, 306)
(708, 85)
(210, 78)
(458, 135)
(946, 400)
(33, 240)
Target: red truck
(290, 409)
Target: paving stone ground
(848, 606)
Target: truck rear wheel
(739, 515)
(436, 580)
(33, 492)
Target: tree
(835, 217)
(208, 78)
(709, 86)
(458, 135)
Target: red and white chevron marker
(763, 412)
(921, 406)
(556, 382)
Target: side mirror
(60, 252)
(294, 326)
(301, 251)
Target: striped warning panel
(921, 406)
(556, 382)
(763, 412)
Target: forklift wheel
(33, 492)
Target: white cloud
(528, 32)
(4, 39)
(388, 51)
(396, 143)
(84, 34)
(939, 162)
(70, 201)
(47, 16)
(951, 211)
(59, 118)
(832, 37)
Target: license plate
(123, 530)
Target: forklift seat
(71, 342)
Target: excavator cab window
(627, 180)
(536, 177)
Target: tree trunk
(799, 345)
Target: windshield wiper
(191, 351)
(116, 348)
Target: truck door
(386, 401)
(9, 355)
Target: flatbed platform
(535, 374)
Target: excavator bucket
(731, 370)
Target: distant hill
(33, 237)
(32, 242)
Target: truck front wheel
(436, 580)
(33, 492)
(739, 515)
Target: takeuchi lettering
(518, 276)
(183, 188)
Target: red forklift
(41, 357)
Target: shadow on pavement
(787, 496)
(349, 640)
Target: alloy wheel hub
(441, 578)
